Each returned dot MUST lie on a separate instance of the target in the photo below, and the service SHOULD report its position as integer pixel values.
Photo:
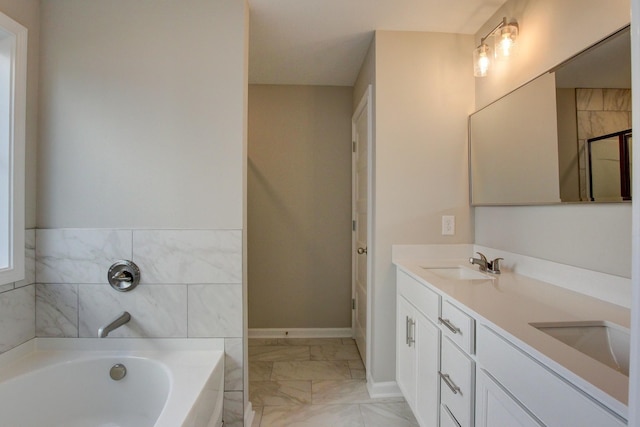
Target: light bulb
(481, 60)
(505, 41)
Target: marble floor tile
(309, 341)
(388, 414)
(356, 364)
(311, 370)
(312, 416)
(344, 391)
(272, 353)
(358, 374)
(334, 352)
(260, 371)
(280, 393)
(262, 341)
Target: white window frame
(12, 230)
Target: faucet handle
(494, 266)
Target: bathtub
(67, 382)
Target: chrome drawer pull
(447, 380)
(412, 332)
(450, 326)
(407, 331)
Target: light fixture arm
(503, 23)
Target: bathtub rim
(206, 353)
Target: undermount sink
(603, 341)
(457, 273)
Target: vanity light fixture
(505, 35)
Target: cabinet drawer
(423, 298)
(457, 383)
(446, 419)
(458, 326)
(546, 395)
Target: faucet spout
(114, 324)
(481, 262)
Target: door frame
(366, 102)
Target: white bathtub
(66, 382)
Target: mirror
(564, 137)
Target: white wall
(299, 206)
(143, 101)
(593, 237)
(423, 95)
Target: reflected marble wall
(599, 112)
(191, 286)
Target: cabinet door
(427, 337)
(496, 408)
(405, 351)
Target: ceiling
(323, 42)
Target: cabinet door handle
(412, 331)
(409, 333)
(447, 380)
(406, 334)
(450, 326)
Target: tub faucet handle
(122, 276)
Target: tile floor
(316, 383)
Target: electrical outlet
(448, 225)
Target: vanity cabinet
(550, 398)
(496, 407)
(458, 370)
(418, 348)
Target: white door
(361, 125)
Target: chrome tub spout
(114, 324)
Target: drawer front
(423, 298)
(457, 384)
(547, 396)
(458, 326)
(446, 419)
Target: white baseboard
(249, 415)
(300, 333)
(382, 389)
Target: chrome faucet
(114, 324)
(486, 265)
(481, 262)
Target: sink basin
(457, 273)
(603, 341)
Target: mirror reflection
(563, 137)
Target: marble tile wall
(599, 112)
(190, 287)
(17, 302)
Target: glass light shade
(481, 60)
(505, 40)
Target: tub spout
(114, 324)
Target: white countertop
(509, 302)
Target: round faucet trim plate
(124, 275)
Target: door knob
(362, 251)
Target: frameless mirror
(563, 137)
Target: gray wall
(593, 237)
(141, 156)
(299, 206)
(421, 104)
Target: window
(13, 73)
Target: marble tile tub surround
(191, 286)
(606, 287)
(17, 306)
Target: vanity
(485, 350)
